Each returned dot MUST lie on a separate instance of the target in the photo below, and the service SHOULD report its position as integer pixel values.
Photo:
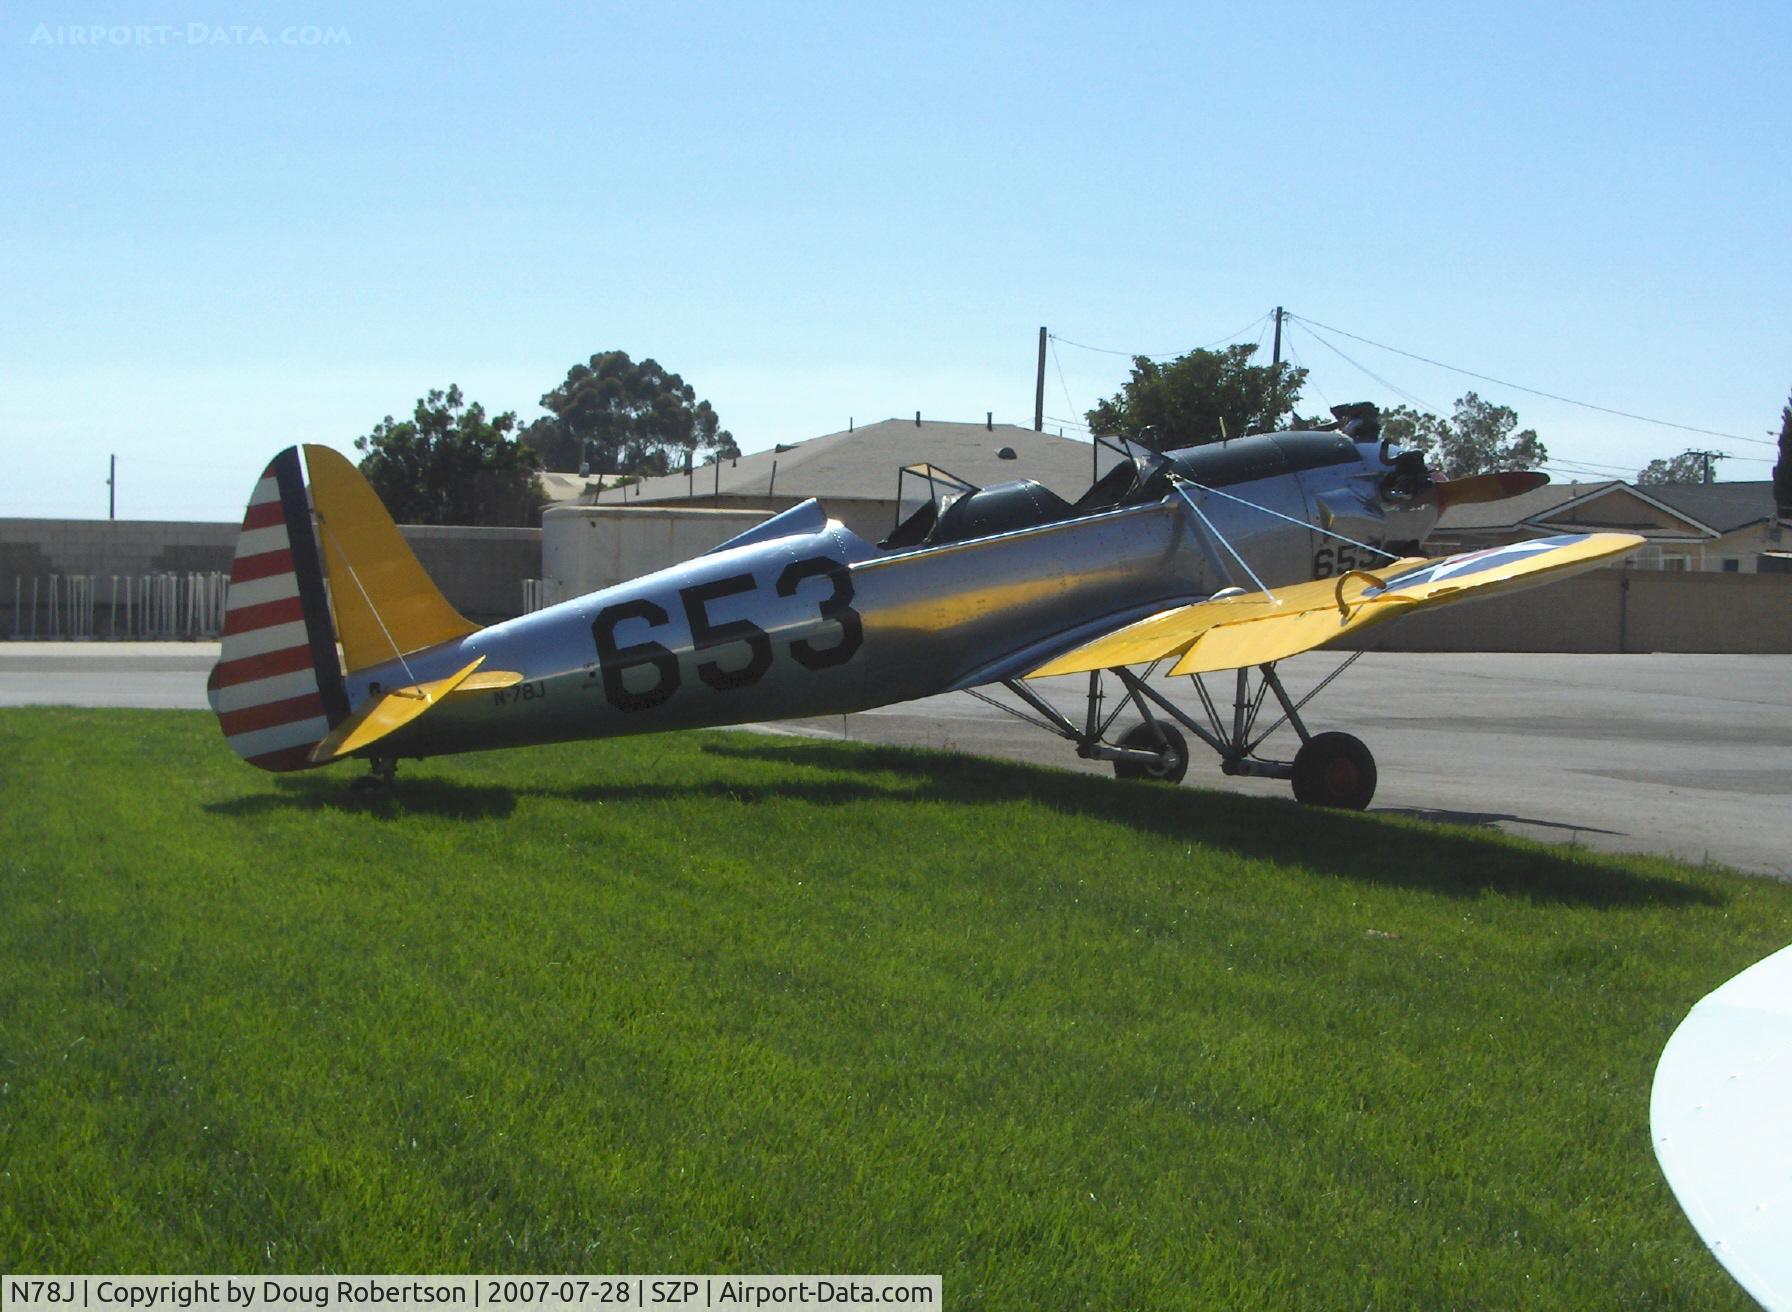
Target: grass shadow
(1399, 853)
(442, 798)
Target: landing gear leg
(1153, 749)
(1331, 769)
(379, 778)
(1154, 736)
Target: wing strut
(1234, 738)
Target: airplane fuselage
(802, 617)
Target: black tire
(1334, 769)
(1141, 737)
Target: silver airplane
(1228, 556)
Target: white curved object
(1721, 1118)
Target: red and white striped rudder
(277, 686)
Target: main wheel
(1334, 769)
(1141, 737)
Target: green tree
(1687, 467)
(1401, 425)
(449, 464)
(1199, 397)
(620, 416)
(1476, 439)
(1782, 472)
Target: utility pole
(112, 490)
(1275, 368)
(1039, 388)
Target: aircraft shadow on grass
(1336, 843)
(419, 796)
(1487, 819)
(1333, 842)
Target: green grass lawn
(718, 1002)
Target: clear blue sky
(215, 243)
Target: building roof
(1609, 504)
(562, 488)
(1510, 512)
(1725, 507)
(861, 464)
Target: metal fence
(152, 607)
(539, 594)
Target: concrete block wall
(1607, 610)
(1671, 611)
(584, 548)
(36, 547)
(480, 570)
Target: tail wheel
(1143, 738)
(1334, 769)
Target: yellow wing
(1226, 633)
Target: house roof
(1511, 512)
(1725, 507)
(861, 464)
(1557, 506)
(567, 487)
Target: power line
(1520, 387)
(1232, 336)
(1262, 332)
(1564, 464)
(1059, 366)
(1392, 387)
(1589, 471)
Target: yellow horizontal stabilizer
(387, 712)
(488, 681)
(385, 605)
(1257, 627)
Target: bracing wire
(371, 608)
(1224, 541)
(1183, 483)
(1520, 387)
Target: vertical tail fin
(384, 604)
(277, 688)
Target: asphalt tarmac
(1685, 755)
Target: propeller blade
(1486, 487)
